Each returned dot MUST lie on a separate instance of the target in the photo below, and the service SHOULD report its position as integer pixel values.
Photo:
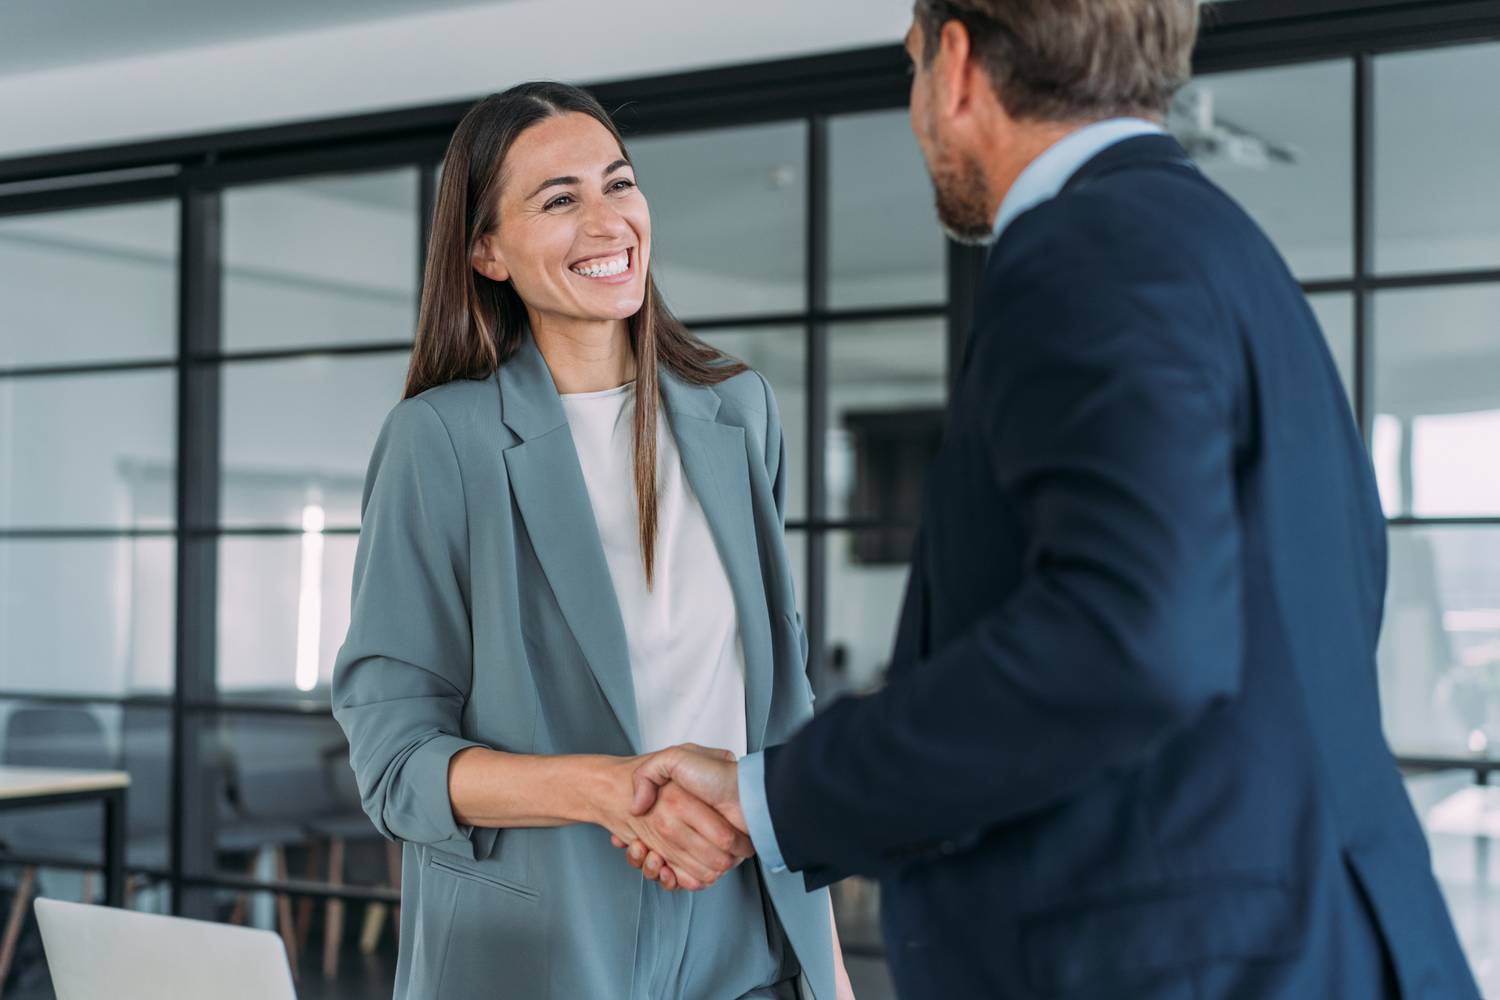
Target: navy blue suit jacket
(1130, 746)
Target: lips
(604, 265)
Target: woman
(554, 579)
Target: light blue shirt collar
(1045, 176)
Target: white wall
(421, 59)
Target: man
(1130, 746)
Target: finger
(689, 884)
(636, 855)
(654, 772)
(653, 866)
(689, 853)
(615, 841)
(709, 824)
(669, 879)
(725, 755)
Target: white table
(31, 787)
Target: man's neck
(1020, 145)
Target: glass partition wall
(193, 369)
(252, 329)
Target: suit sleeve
(1114, 443)
(403, 674)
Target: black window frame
(195, 171)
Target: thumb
(655, 772)
(728, 756)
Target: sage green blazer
(484, 615)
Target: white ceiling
(215, 65)
(46, 34)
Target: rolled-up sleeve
(403, 674)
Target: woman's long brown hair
(469, 325)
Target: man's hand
(692, 839)
(709, 776)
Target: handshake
(681, 824)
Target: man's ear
(954, 69)
(487, 259)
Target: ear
(487, 259)
(955, 72)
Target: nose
(601, 219)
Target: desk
(31, 787)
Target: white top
(685, 654)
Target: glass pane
(322, 260)
(131, 738)
(728, 218)
(1436, 159)
(89, 285)
(1437, 384)
(780, 354)
(283, 612)
(293, 789)
(87, 616)
(1280, 141)
(1440, 648)
(297, 436)
(856, 907)
(1335, 312)
(1457, 816)
(865, 589)
(887, 389)
(88, 450)
(885, 242)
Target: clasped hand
(683, 827)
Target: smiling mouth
(611, 266)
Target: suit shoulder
(465, 407)
(1130, 269)
(748, 392)
(461, 395)
(1167, 220)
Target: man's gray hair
(1074, 60)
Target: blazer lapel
(547, 482)
(716, 459)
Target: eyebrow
(562, 181)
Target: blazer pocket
(1143, 936)
(484, 878)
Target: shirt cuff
(757, 810)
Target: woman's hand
(689, 840)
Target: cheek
(639, 218)
(543, 248)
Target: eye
(559, 200)
(622, 185)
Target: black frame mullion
(1249, 33)
(198, 403)
(46, 534)
(1364, 243)
(817, 265)
(87, 368)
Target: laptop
(105, 953)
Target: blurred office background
(211, 230)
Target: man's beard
(962, 201)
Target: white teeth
(605, 269)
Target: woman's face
(574, 236)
